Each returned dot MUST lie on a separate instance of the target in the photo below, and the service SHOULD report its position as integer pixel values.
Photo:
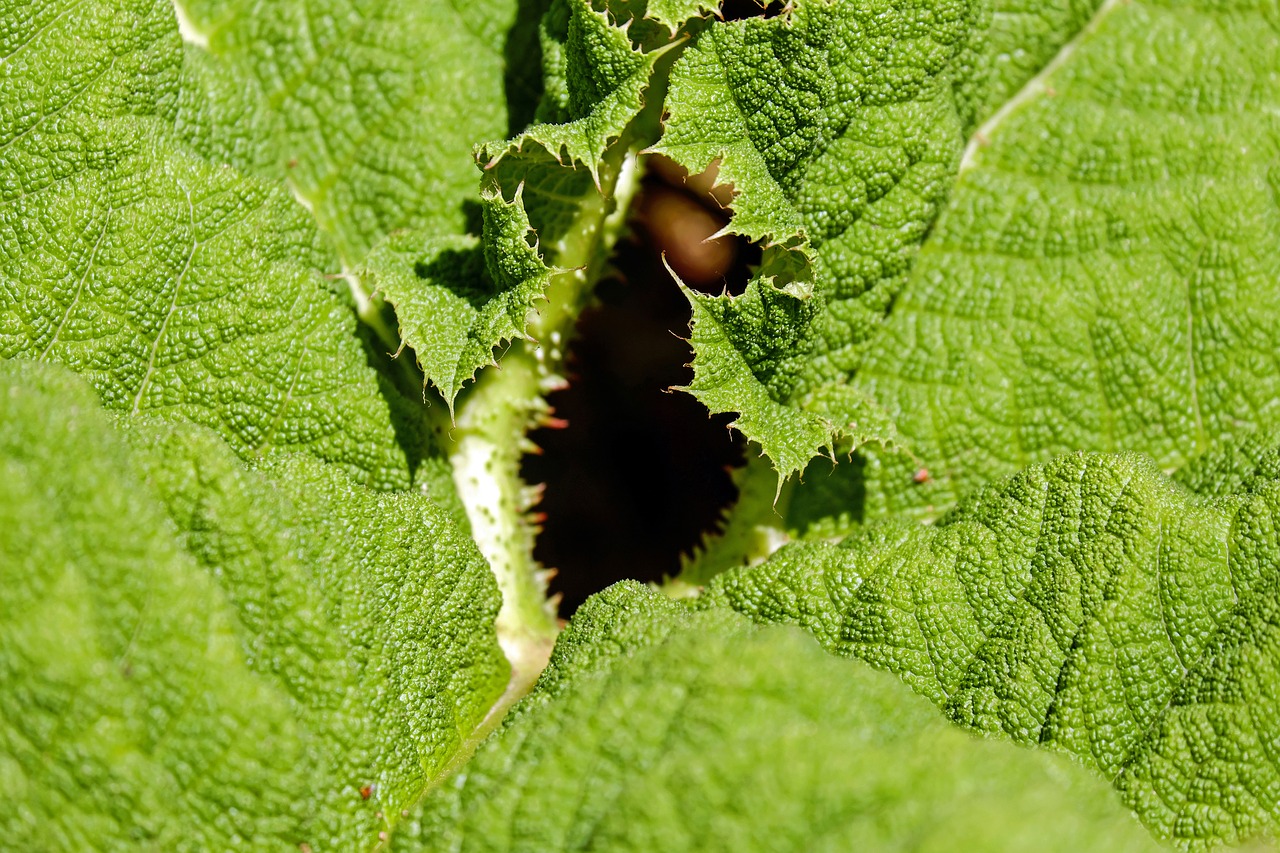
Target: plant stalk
(507, 401)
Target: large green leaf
(373, 105)
(839, 128)
(1112, 224)
(173, 282)
(370, 111)
(1104, 276)
(199, 655)
(1089, 605)
(658, 729)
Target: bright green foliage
(668, 730)
(374, 613)
(1232, 467)
(372, 105)
(199, 655)
(673, 13)
(1089, 605)
(595, 83)
(230, 616)
(1015, 339)
(456, 301)
(370, 111)
(458, 297)
(734, 336)
(838, 127)
(1104, 275)
(1019, 39)
(173, 283)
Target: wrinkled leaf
(199, 655)
(1088, 605)
(838, 127)
(1104, 275)
(457, 298)
(172, 282)
(668, 730)
(375, 105)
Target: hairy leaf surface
(594, 85)
(173, 282)
(456, 302)
(199, 655)
(669, 730)
(1088, 605)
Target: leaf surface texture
(670, 730)
(1088, 605)
(201, 655)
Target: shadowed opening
(736, 10)
(638, 474)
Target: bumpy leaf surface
(1017, 40)
(198, 655)
(1098, 176)
(374, 104)
(455, 303)
(595, 82)
(674, 13)
(1089, 605)
(838, 127)
(458, 297)
(1104, 276)
(173, 282)
(660, 729)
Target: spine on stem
(507, 401)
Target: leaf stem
(495, 415)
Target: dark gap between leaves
(736, 10)
(639, 475)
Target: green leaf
(595, 83)
(660, 21)
(1087, 605)
(200, 655)
(172, 282)
(457, 298)
(1018, 40)
(1104, 275)
(595, 86)
(1232, 467)
(455, 309)
(668, 730)
(674, 13)
(837, 126)
(376, 104)
(745, 358)
(1022, 300)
